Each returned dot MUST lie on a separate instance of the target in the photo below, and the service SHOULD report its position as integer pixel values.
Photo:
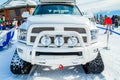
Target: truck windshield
(57, 9)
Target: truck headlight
(59, 41)
(46, 40)
(93, 34)
(72, 41)
(22, 34)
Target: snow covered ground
(110, 57)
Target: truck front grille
(36, 30)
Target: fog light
(72, 41)
(59, 41)
(46, 41)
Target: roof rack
(58, 1)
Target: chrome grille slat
(40, 29)
(79, 30)
(32, 38)
(84, 39)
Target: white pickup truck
(57, 33)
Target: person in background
(113, 22)
(15, 23)
(19, 23)
(108, 23)
(3, 18)
(1, 24)
(116, 21)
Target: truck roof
(58, 1)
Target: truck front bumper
(80, 55)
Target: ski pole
(108, 31)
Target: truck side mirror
(25, 14)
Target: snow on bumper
(88, 54)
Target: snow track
(112, 69)
(69, 73)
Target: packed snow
(110, 57)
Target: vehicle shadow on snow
(68, 73)
(46, 73)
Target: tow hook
(61, 67)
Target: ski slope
(110, 57)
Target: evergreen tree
(101, 19)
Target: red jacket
(108, 21)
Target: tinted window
(56, 9)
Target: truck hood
(55, 19)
